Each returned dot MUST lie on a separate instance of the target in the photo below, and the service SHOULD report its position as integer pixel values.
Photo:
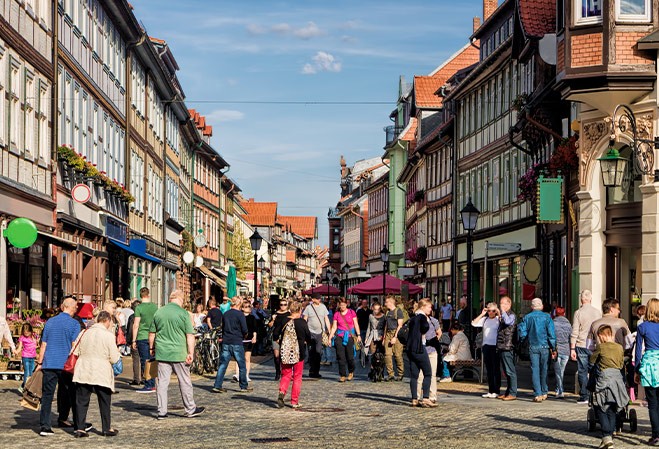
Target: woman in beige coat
(97, 352)
(459, 348)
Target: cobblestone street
(333, 415)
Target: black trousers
(493, 367)
(345, 355)
(83, 395)
(420, 363)
(63, 382)
(315, 354)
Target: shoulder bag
(70, 364)
(325, 335)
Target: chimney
(477, 23)
(489, 6)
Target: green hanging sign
(21, 232)
(550, 200)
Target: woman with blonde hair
(647, 364)
(419, 325)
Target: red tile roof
(538, 17)
(200, 122)
(290, 255)
(410, 131)
(259, 214)
(424, 91)
(303, 226)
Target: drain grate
(270, 440)
(320, 409)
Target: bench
(460, 366)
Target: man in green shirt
(141, 324)
(171, 339)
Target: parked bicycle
(206, 353)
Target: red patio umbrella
(323, 289)
(374, 286)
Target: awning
(223, 274)
(57, 241)
(212, 276)
(170, 266)
(137, 248)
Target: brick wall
(586, 50)
(560, 57)
(626, 48)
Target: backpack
(289, 349)
(404, 333)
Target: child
(27, 343)
(610, 396)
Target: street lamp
(255, 240)
(469, 216)
(384, 255)
(346, 270)
(613, 168)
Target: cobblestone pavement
(356, 414)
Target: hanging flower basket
(528, 183)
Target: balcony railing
(392, 132)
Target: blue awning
(137, 248)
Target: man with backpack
(393, 349)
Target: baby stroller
(628, 415)
(376, 374)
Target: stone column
(592, 251)
(650, 249)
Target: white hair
(586, 296)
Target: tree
(243, 254)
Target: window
(14, 103)
(3, 106)
(137, 180)
(633, 10)
(43, 150)
(588, 11)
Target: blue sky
(279, 51)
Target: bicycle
(206, 353)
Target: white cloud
(308, 31)
(224, 115)
(281, 28)
(256, 29)
(322, 62)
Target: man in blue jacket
(538, 327)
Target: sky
(243, 62)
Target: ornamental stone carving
(591, 134)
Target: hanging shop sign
(550, 200)
(21, 232)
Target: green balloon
(21, 232)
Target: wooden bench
(460, 366)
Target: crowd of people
(433, 340)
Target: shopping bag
(151, 369)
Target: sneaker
(198, 411)
(248, 379)
(560, 395)
(584, 402)
(88, 426)
(653, 441)
(447, 380)
(161, 417)
(46, 432)
(246, 390)
(234, 378)
(607, 443)
(146, 390)
(219, 390)
(296, 406)
(280, 400)
(21, 390)
(490, 395)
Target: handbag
(70, 364)
(151, 369)
(121, 336)
(325, 335)
(118, 367)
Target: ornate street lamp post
(346, 270)
(469, 215)
(384, 256)
(255, 240)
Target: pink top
(29, 346)
(345, 322)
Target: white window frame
(620, 17)
(580, 20)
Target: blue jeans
(28, 368)
(236, 352)
(508, 362)
(145, 354)
(539, 362)
(559, 370)
(583, 366)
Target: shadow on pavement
(257, 400)
(142, 409)
(544, 438)
(387, 399)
